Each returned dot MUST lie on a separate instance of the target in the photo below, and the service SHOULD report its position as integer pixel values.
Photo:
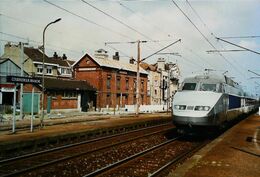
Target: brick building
(114, 80)
(61, 91)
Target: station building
(61, 91)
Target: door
(84, 102)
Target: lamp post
(43, 55)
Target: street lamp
(43, 55)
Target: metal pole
(43, 60)
(32, 109)
(137, 78)
(115, 93)
(21, 89)
(120, 100)
(14, 109)
(168, 91)
(43, 70)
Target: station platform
(236, 153)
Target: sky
(89, 25)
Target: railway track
(151, 162)
(24, 165)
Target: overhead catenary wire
(198, 56)
(179, 40)
(119, 21)
(87, 20)
(36, 42)
(191, 51)
(117, 50)
(231, 43)
(193, 24)
(133, 12)
(20, 20)
(211, 33)
(205, 37)
(238, 37)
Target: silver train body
(210, 100)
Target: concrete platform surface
(236, 153)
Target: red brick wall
(61, 103)
(98, 79)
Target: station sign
(26, 80)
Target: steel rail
(177, 159)
(99, 171)
(84, 153)
(75, 144)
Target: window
(108, 81)
(142, 99)
(155, 92)
(127, 83)
(118, 79)
(126, 99)
(49, 70)
(142, 85)
(53, 94)
(208, 87)
(108, 100)
(69, 94)
(63, 70)
(156, 83)
(39, 69)
(135, 85)
(189, 86)
(68, 71)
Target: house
(61, 91)
(162, 81)
(154, 84)
(33, 61)
(114, 80)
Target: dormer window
(68, 71)
(39, 69)
(63, 70)
(49, 70)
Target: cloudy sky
(87, 25)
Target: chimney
(101, 54)
(161, 64)
(55, 55)
(64, 57)
(8, 44)
(116, 56)
(132, 60)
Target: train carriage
(209, 100)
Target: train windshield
(208, 87)
(189, 86)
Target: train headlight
(176, 106)
(180, 107)
(202, 108)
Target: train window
(208, 87)
(189, 86)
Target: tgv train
(209, 100)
